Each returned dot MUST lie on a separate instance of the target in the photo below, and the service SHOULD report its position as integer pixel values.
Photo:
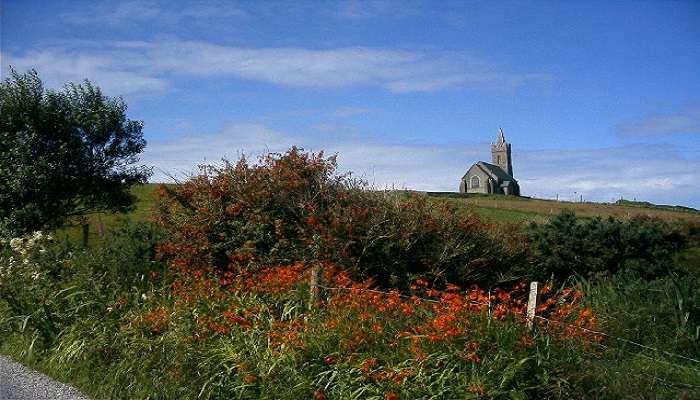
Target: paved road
(18, 382)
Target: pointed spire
(501, 137)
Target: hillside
(498, 208)
(493, 208)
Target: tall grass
(122, 329)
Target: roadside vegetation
(280, 278)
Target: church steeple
(500, 153)
(501, 137)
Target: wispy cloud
(687, 121)
(365, 9)
(141, 65)
(57, 66)
(596, 174)
(641, 171)
(120, 13)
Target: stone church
(496, 177)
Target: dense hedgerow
(593, 248)
(294, 207)
(124, 327)
(251, 335)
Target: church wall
(483, 180)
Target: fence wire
(548, 320)
(674, 384)
(668, 353)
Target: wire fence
(644, 375)
(632, 342)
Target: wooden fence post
(531, 304)
(313, 284)
(489, 305)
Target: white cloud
(134, 66)
(120, 13)
(366, 9)
(596, 174)
(687, 121)
(382, 165)
(58, 66)
(638, 171)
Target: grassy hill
(493, 208)
(496, 208)
(142, 211)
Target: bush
(593, 248)
(293, 207)
(250, 337)
(48, 286)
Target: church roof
(495, 171)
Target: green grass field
(495, 208)
(142, 211)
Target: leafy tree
(63, 153)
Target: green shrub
(593, 248)
(48, 286)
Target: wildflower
(318, 395)
(471, 356)
(476, 389)
(367, 364)
(471, 346)
(249, 378)
(391, 396)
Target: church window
(475, 182)
(498, 159)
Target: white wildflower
(16, 243)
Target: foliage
(124, 326)
(251, 335)
(63, 153)
(659, 323)
(646, 204)
(293, 207)
(593, 248)
(44, 283)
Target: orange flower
(249, 378)
(471, 346)
(476, 389)
(329, 360)
(471, 356)
(368, 364)
(318, 395)
(391, 396)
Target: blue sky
(601, 99)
